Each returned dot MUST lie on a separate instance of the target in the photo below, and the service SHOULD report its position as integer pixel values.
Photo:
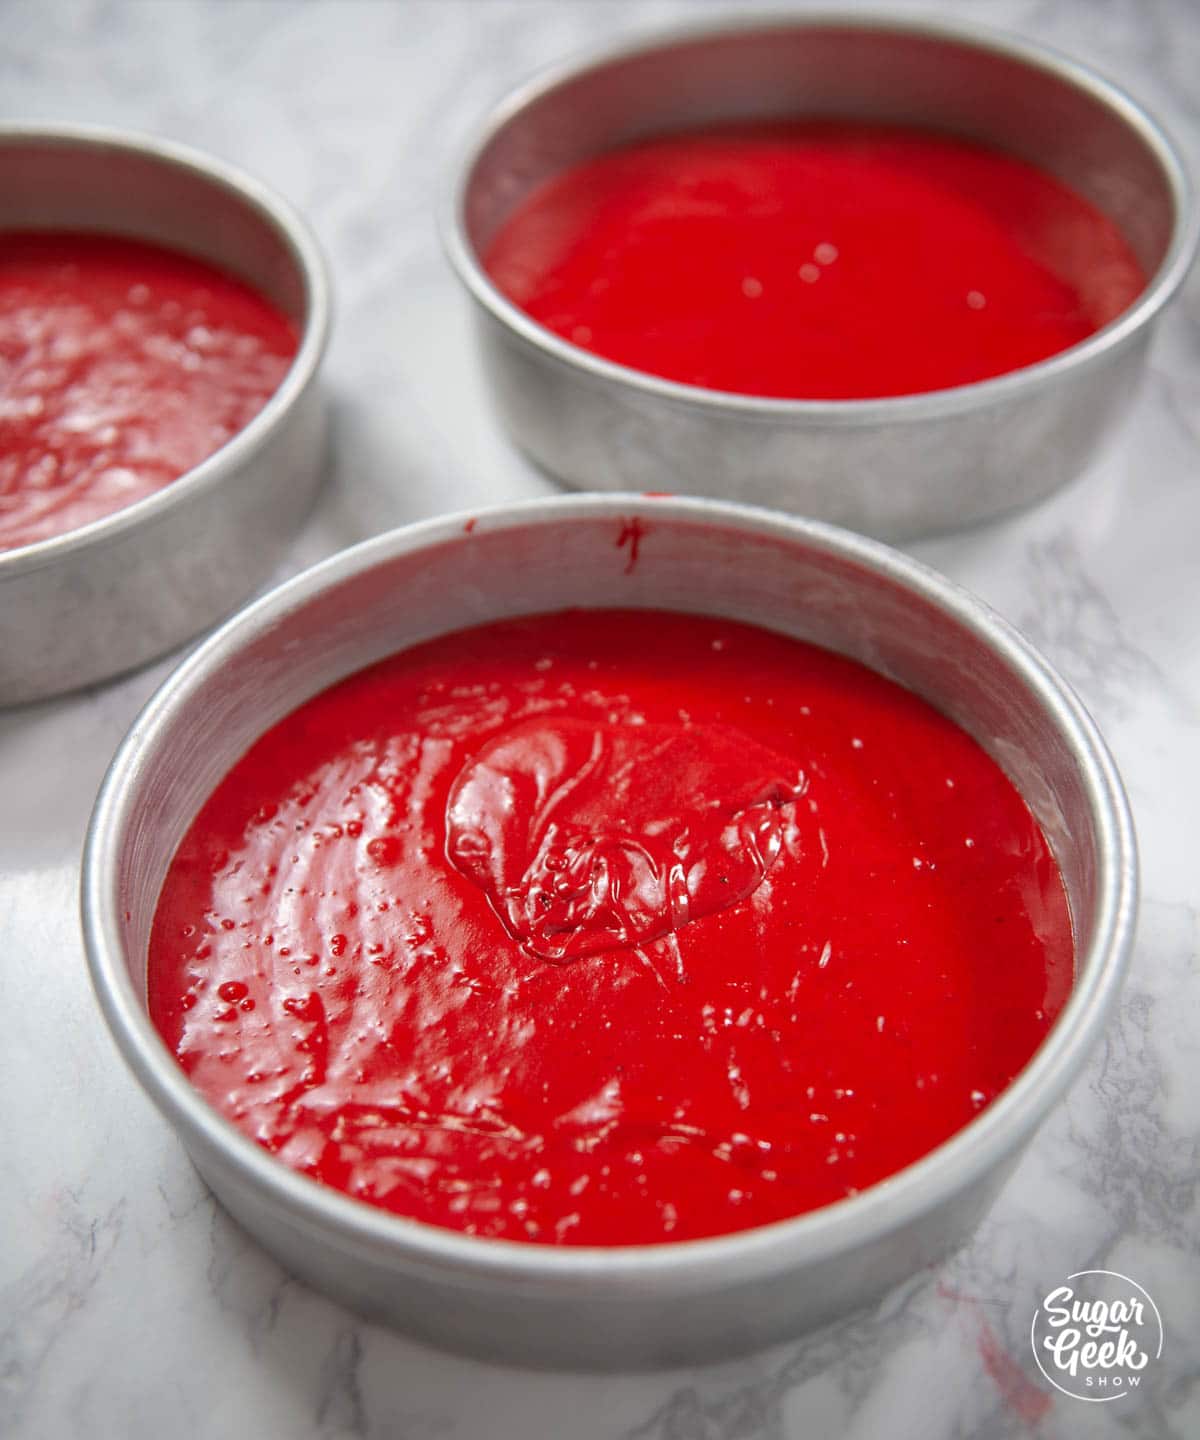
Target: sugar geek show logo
(1096, 1336)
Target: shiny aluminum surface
(635, 1306)
(894, 468)
(88, 604)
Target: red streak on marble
(1017, 1390)
(1021, 1395)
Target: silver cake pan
(111, 595)
(637, 1305)
(895, 468)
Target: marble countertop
(129, 1304)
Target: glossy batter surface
(122, 365)
(814, 260)
(609, 927)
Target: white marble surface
(129, 1304)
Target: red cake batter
(547, 932)
(808, 260)
(122, 365)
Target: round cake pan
(895, 468)
(108, 596)
(627, 1305)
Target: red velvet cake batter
(609, 927)
(814, 260)
(122, 365)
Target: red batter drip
(814, 260)
(122, 365)
(543, 932)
